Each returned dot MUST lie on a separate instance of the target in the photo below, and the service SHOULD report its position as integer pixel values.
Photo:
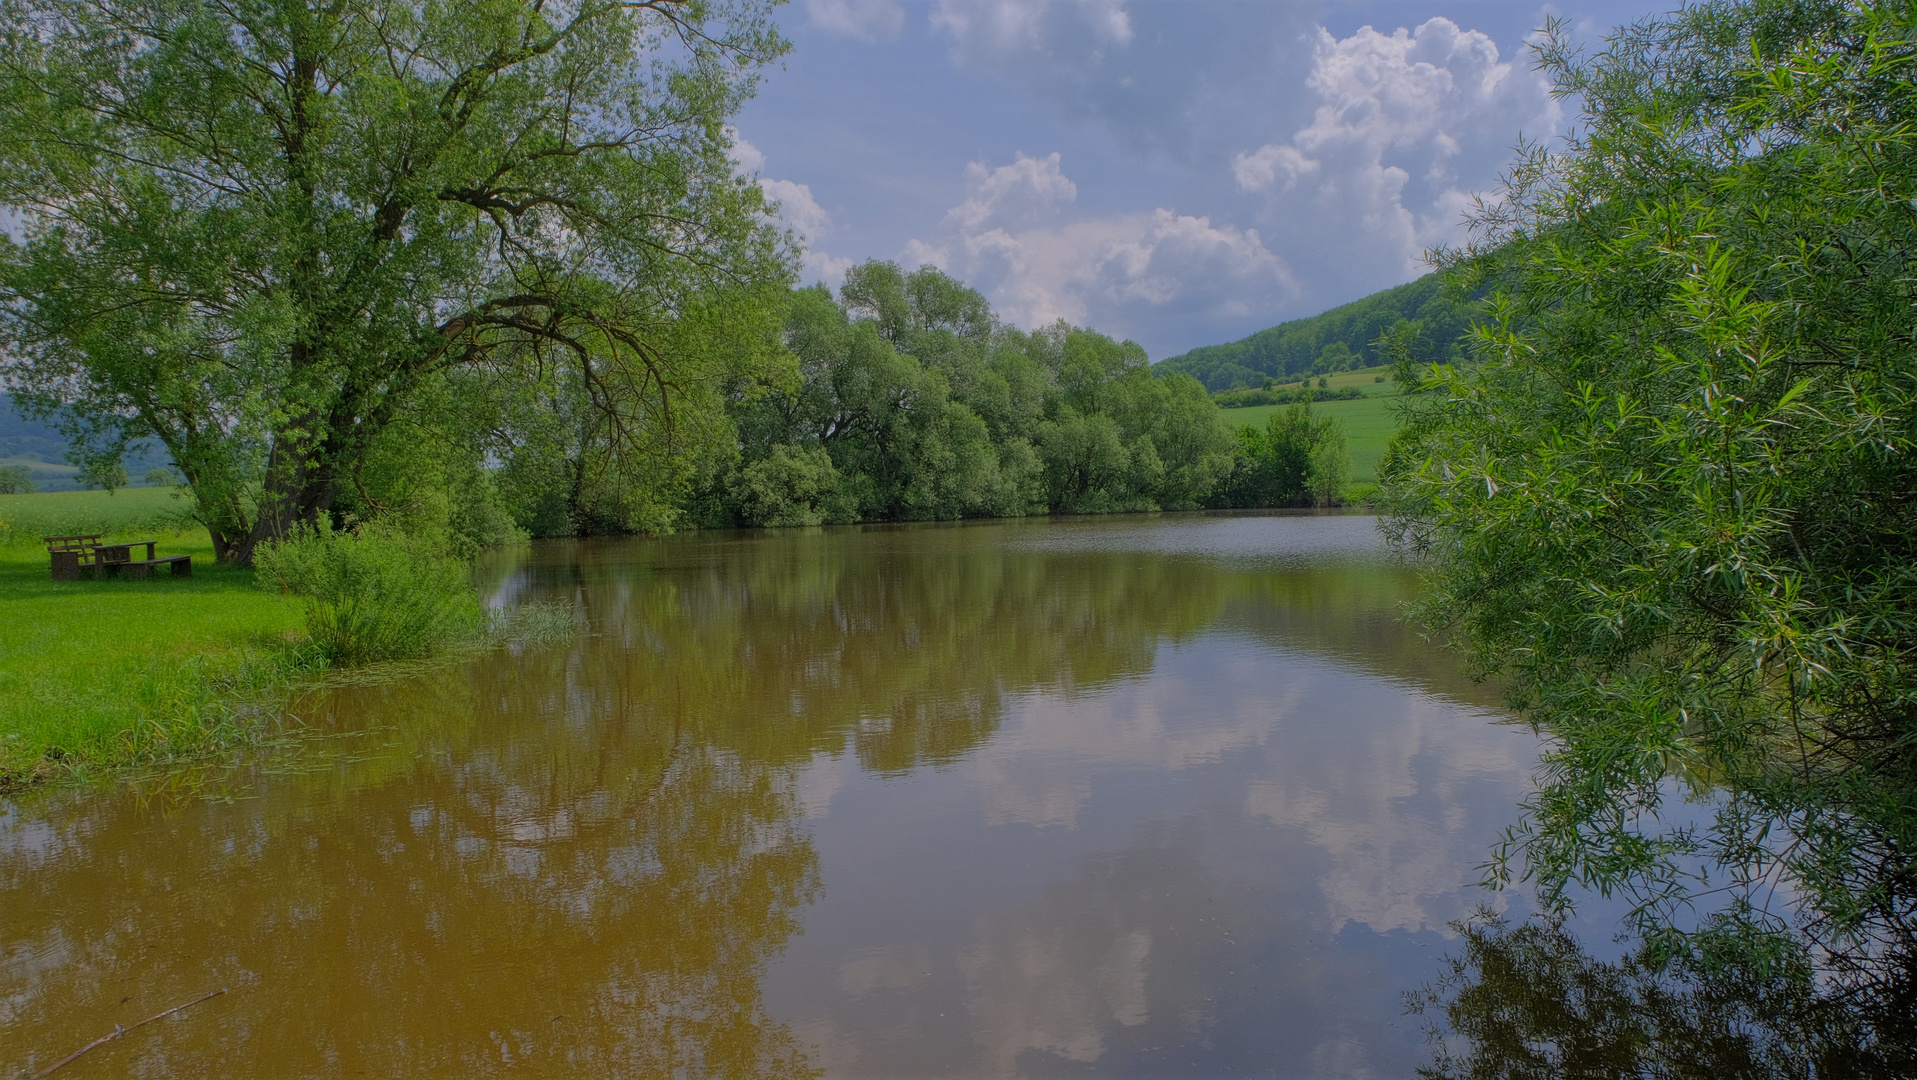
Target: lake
(1100, 796)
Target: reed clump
(373, 595)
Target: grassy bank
(1369, 423)
(102, 674)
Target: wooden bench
(138, 569)
(72, 554)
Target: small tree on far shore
(105, 475)
(16, 480)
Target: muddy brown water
(1115, 797)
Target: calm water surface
(1097, 797)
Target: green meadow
(1369, 423)
(24, 519)
(101, 674)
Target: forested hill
(1338, 339)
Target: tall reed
(373, 595)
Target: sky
(1176, 172)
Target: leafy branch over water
(1669, 498)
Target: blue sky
(1179, 173)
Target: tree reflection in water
(1526, 1001)
(576, 858)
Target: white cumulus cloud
(1408, 127)
(1269, 167)
(797, 208)
(793, 206)
(1162, 77)
(745, 155)
(1005, 238)
(1023, 193)
(866, 20)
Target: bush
(790, 486)
(1330, 468)
(371, 595)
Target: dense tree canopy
(292, 239)
(913, 402)
(1670, 499)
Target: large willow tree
(1673, 498)
(259, 230)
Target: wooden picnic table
(72, 554)
(123, 553)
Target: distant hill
(43, 451)
(1342, 338)
(26, 439)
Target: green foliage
(912, 402)
(1329, 472)
(1297, 459)
(161, 478)
(1344, 337)
(372, 595)
(1670, 503)
(1335, 357)
(1370, 423)
(16, 480)
(789, 486)
(279, 236)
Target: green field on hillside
(1369, 423)
(1365, 379)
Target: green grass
(102, 674)
(1369, 423)
(24, 519)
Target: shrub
(790, 486)
(1330, 468)
(372, 595)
